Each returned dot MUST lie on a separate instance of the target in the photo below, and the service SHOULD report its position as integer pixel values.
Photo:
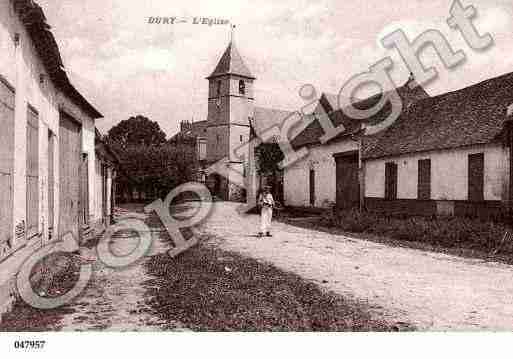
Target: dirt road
(114, 299)
(432, 291)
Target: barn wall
(449, 174)
(296, 177)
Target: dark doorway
(348, 185)
(312, 187)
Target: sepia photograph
(271, 170)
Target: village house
(448, 155)
(48, 157)
(444, 155)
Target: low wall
(483, 209)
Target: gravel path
(116, 299)
(432, 291)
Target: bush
(453, 232)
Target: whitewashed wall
(296, 179)
(449, 172)
(21, 67)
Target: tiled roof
(312, 134)
(231, 63)
(470, 116)
(34, 21)
(265, 118)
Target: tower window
(218, 89)
(241, 138)
(242, 87)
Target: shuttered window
(476, 177)
(32, 174)
(390, 180)
(424, 179)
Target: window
(242, 87)
(476, 177)
(390, 180)
(218, 89)
(241, 138)
(202, 150)
(424, 179)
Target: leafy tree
(136, 131)
(269, 156)
(156, 170)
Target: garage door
(6, 168)
(69, 175)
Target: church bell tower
(230, 106)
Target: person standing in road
(266, 204)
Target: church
(231, 120)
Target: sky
(125, 66)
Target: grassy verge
(212, 290)
(465, 237)
(59, 273)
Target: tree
(156, 170)
(269, 156)
(136, 131)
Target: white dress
(267, 203)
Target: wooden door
(390, 180)
(6, 169)
(69, 175)
(476, 177)
(348, 185)
(32, 173)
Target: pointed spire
(232, 33)
(231, 62)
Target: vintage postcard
(237, 166)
